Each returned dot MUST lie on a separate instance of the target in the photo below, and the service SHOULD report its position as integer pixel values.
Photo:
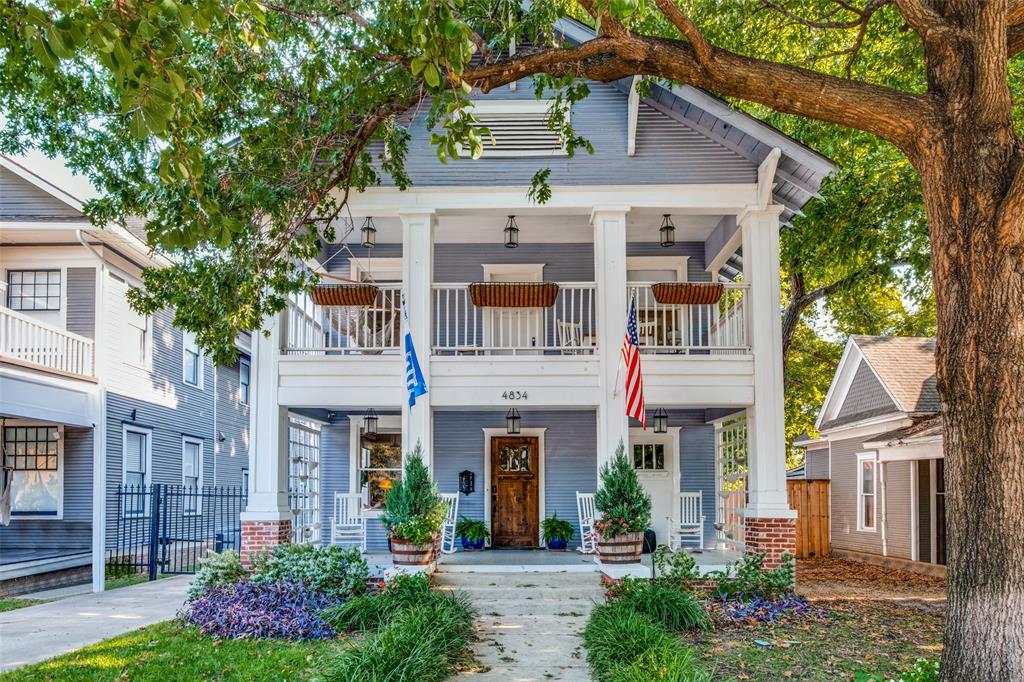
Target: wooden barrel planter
(407, 554)
(621, 549)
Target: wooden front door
(515, 517)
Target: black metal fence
(168, 528)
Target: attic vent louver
(519, 128)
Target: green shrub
(624, 504)
(669, 607)
(217, 569)
(747, 579)
(667, 662)
(472, 529)
(616, 635)
(555, 528)
(421, 643)
(924, 670)
(370, 611)
(414, 510)
(335, 572)
(678, 569)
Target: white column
(766, 418)
(417, 282)
(610, 275)
(268, 431)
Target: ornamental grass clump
(624, 504)
(671, 608)
(336, 573)
(370, 611)
(414, 510)
(249, 611)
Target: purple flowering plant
(244, 610)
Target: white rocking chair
(348, 525)
(587, 513)
(448, 527)
(691, 521)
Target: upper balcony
(33, 344)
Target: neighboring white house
(880, 446)
(93, 395)
(676, 158)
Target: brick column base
(771, 537)
(261, 536)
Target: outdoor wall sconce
(660, 420)
(370, 422)
(369, 233)
(668, 231)
(511, 233)
(467, 482)
(512, 422)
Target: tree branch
(1015, 39)
(922, 17)
(685, 26)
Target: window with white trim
(380, 466)
(138, 350)
(867, 491)
(244, 378)
(191, 360)
(192, 473)
(135, 455)
(33, 289)
(33, 461)
(649, 456)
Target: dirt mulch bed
(832, 578)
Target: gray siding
(866, 398)
(74, 531)
(816, 464)
(81, 301)
(233, 423)
(698, 471)
(667, 151)
(21, 199)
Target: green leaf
(431, 75)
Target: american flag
(635, 407)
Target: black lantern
(660, 420)
(370, 422)
(369, 233)
(511, 233)
(467, 482)
(512, 421)
(668, 231)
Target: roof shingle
(906, 365)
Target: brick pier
(771, 537)
(261, 536)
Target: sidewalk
(36, 633)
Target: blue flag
(414, 381)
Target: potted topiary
(473, 534)
(413, 514)
(625, 512)
(557, 532)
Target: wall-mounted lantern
(668, 231)
(369, 233)
(511, 233)
(660, 420)
(467, 482)
(370, 422)
(512, 420)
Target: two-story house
(93, 395)
(518, 312)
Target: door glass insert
(649, 456)
(514, 458)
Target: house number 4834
(513, 395)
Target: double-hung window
(244, 372)
(33, 289)
(135, 456)
(191, 360)
(192, 473)
(33, 460)
(867, 493)
(380, 466)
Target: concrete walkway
(529, 624)
(36, 633)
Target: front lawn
(12, 603)
(171, 651)
(848, 641)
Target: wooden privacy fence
(810, 500)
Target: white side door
(655, 458)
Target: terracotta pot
(405, 553)
(621, 549)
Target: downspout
(884, 520)
(99, 445)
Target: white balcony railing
(714, 328)
(346, 330)
(27, 340)
(569, 327)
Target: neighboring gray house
(881, 447)
(87, 385)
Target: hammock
(687, 293)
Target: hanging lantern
(370, 422)
(668, 231)
(369, 233)
(660, 420)
(511, 233)
(512, 420)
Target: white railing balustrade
(346, 330)
(569, 327)
(27, 340)
(714, 328)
